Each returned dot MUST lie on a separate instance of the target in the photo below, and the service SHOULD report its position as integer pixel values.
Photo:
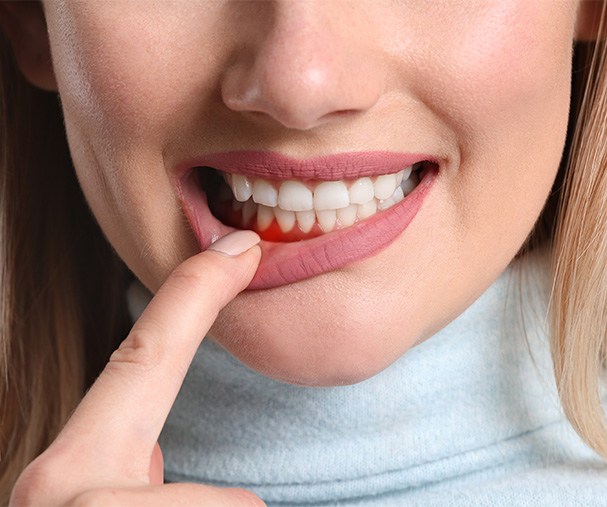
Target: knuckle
(142, 348)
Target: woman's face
(481, 88)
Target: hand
(108, 454)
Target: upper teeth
(294, 195)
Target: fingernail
(235, 243)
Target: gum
(273, 233)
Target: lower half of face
(487, 99)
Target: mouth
(313, 216)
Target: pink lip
(284, 263)
(275, 166)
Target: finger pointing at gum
(120, 418)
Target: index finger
(119, 420)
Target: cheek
(136, 209)
(504, 85)
(109, 82)
(131, 75)
(501, 60)
(119, 99)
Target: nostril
(343, 112)
(337, 115)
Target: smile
(313, 215)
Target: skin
(483, 85)
(488, 93)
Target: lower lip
(284, 263)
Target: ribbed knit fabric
(465, 418)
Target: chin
(307, 359)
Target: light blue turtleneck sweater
(464, 418)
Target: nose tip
(302, 77)
(297, 99)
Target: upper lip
(276, 166)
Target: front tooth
(384, 186)
(331, 195)
(241, 187)
(295, 196)
(285, 219)
(361, 191)
(305, 220)
(347, 216)
(248, 210)
(367, 209)
(326, 219)
(265, 215)
(264, 193)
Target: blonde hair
(62, 287)
(578, 306)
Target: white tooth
(408, 185)
(285, 219)
(305, 220)
(384, 186)
(227, 177)
(398, 195)
(242, 188)
(367, 209)
(399, 177)
(403, 175)
(361, 191)
(248, 210)
(385, 203)
(264, 193)
(331, 195)
(265, 215)
(347, 216)
(407, 172)
(326, 219)
(295, 196)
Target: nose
(312, 64)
